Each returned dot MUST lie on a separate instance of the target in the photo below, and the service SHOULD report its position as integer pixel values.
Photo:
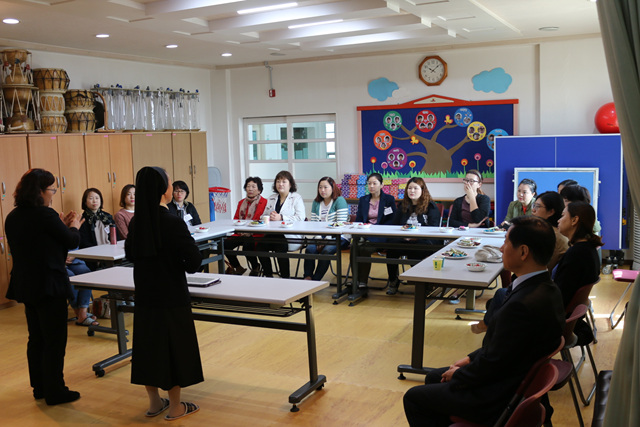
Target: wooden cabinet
(109, 166)
(14, 162)
(152, 149)
(64, 157)
(190, 166)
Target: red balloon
(606, 119)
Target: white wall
(559, 85)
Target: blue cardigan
(386, 209)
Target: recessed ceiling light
(102, 36)
(10, 21)
(226, 54)
(548, 28)
(311, 24)
(267, 8)
(171, 46)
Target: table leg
(470, 305)
(117, 323)
(316, 382)
(342, 289)
(417, 342)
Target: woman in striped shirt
(328, 206)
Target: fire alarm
(272, 93)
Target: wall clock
(432, 70)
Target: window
(303, 145)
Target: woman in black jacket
(416, 209)
(179, 205)
(472, 209)
(39, 240)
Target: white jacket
(292, 210)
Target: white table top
(454, 271)
(215, 229)
(422, 232)
(265, 290)
(101, 252)
(298, 227)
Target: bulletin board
(602, 152)
(434, 137)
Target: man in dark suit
(526, 328)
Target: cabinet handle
(190, 171)
(58, 181)
(194, 169)
(2, 248)
(4, 188)
(114, 177)
(64, 181)
(108, 177)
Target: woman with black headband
(165, 346)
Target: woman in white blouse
(284, 205)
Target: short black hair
(255, 179)
(552, 200)
(537, 234)
(567, 182)
(182, 186)
(375, 175)
(86, 194)
(576, 193)
(29, 190)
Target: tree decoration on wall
(434, 136)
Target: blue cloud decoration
(382, 88)
(496, 80)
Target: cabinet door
(73, 171)
(200, 169)
(121, 166)
(99, 167)
(182, 169)
(43, 153)
(152, 149)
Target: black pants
(278, 244)
(247, 243)
(47, 324)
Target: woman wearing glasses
(522, 206)
(472, 209)
(549, 206)
(179, 205)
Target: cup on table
(438, 263)
(265, 219)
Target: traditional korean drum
(53, 123)
(20, 123)
(76, 99)
(51, 79)
(17, 97)
(80, 121)
(51, 102)
(15, 63)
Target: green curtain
(620, 26)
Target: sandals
(189, 408)
(165, 406)
(88, 321)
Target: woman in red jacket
(250, 208)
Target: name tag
(187, 217)
(388, 210)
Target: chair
(529, 412)
(622, 275)
(566, 369)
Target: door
(73, 171)
(43, 153)
(121, 166)
(152, 149)
(99, 167)
(14, 162)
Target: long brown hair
(335, 191)
(423, 202)
(586, 220)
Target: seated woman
(578, 193)
(81, 297)
(580, 265)
(472, 209)
(376, 207)
(97, 223)
(549, 206)
(250, 208)
(526, 196)
(124, 215)
(328, 206)
(283, 205)
(179, 205)
(417, 207)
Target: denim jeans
(81, 297)
(323, 265)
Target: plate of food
(476, 266)
(410, 227)
(455, 254)
(239, 222)
(462, 228)
(363, 225)
(201, 229)
(257, 223)
(286, 224)
(447, 230)
(493, 230)
(468, 243)
(338, 224)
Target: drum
(51, 79)
(76, 99)
(80, 121)
(51, 102)
(15, 66)
(20, 123)
(17, 97)
(53, 123)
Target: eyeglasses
(179, 192)
(469, 181)
(53, 190)
(539, 206)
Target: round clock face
(433, 70)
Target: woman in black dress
(165, 346)
(39, 240)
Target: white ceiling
(204, 29)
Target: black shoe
(38, 394)
(393, 287)
(65, 397)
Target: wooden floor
(250, 372)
